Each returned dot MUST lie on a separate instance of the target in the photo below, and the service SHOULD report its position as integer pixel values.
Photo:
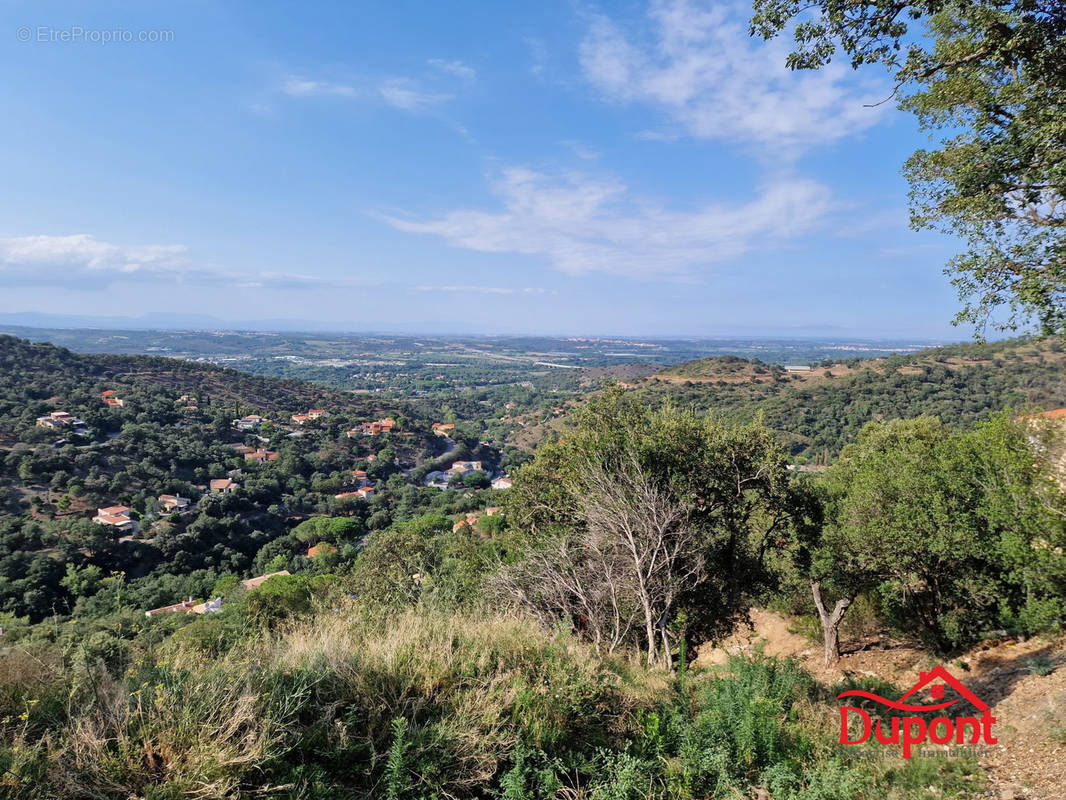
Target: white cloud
(85, 253)
(456, 68)
(482, 290)
(81, 261)
(699, 65)
(583, 224)
(302, 87)
(405, 94)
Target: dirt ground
(1029, 760)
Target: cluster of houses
(120, 518)
(373, 428)
(188, 606)
(58, 420)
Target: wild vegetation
(532, 642)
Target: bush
(745, 724)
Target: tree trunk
(830, 623)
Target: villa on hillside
(117, 517)
(252, 422)
(111, 400)
(443, 428)
(174, 503)
(373, 428)
(61, 419)
(463, 467)
(224, 486)
(503, 482)
(261, 456)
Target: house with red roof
(117, 517)
(224, 486)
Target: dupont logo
(911, 730)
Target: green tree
(989, 75)
(647, 520)
(82, 581)
(476, 479)
(935, 523)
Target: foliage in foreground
(420, 705)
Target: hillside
(79, 433)
(318, 622)
(819, 411)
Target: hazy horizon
(169, 323)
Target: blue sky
(550, 167)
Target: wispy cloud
(456, 68)
(696, 62)
(586, 224)
(405, 94)
(81, 261)
(295, 86)
(482, 290)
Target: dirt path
(1029, 760)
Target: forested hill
(79, 433)
(821, 410)
(31, 373)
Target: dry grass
(250, 720)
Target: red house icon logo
(913, 730)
